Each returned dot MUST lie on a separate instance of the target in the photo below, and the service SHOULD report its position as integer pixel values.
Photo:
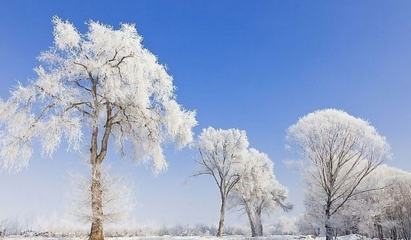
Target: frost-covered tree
(95, 88)
(386, 212)
(222, 153)
(258, 191)
(339, 151)
(117, 196)
(343, 222)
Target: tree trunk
(256, 228)
(96, 158)
(250, 218)
(96, 232)
(328, 227)
(258, 224)
(254, 217)
(222, 216)
(378, 227)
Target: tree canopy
(102, 79)
(339, 151)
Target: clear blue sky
(252, 65)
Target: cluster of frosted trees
(104, 88)
(244, 176)
(341, 170)
(384, 212)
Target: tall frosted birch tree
(222, 153)
(340, 151)
(96, 88)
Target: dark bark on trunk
(328, 232)
(96, 158)
(250, 219)
(254, 217)
(222, 216)
(256, 228)
(258, 224)
(328, 227)
(96, 232)
(380, 233)
(394, 234)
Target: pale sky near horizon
(254, 65)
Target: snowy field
(276, 237)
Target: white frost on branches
(65, 34)
(222, 155)
(244, 174)
(331, 127)
(258, 191)
(104, 81)
(340, 151)
(258, 185)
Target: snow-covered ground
(276, 237)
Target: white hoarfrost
(340, 151)
(258, 191)
(385, 212)
(92, 89)
(222, 153)
(89, 80)
(244, 176)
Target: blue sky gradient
(254, 65)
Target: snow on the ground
(276, 237)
